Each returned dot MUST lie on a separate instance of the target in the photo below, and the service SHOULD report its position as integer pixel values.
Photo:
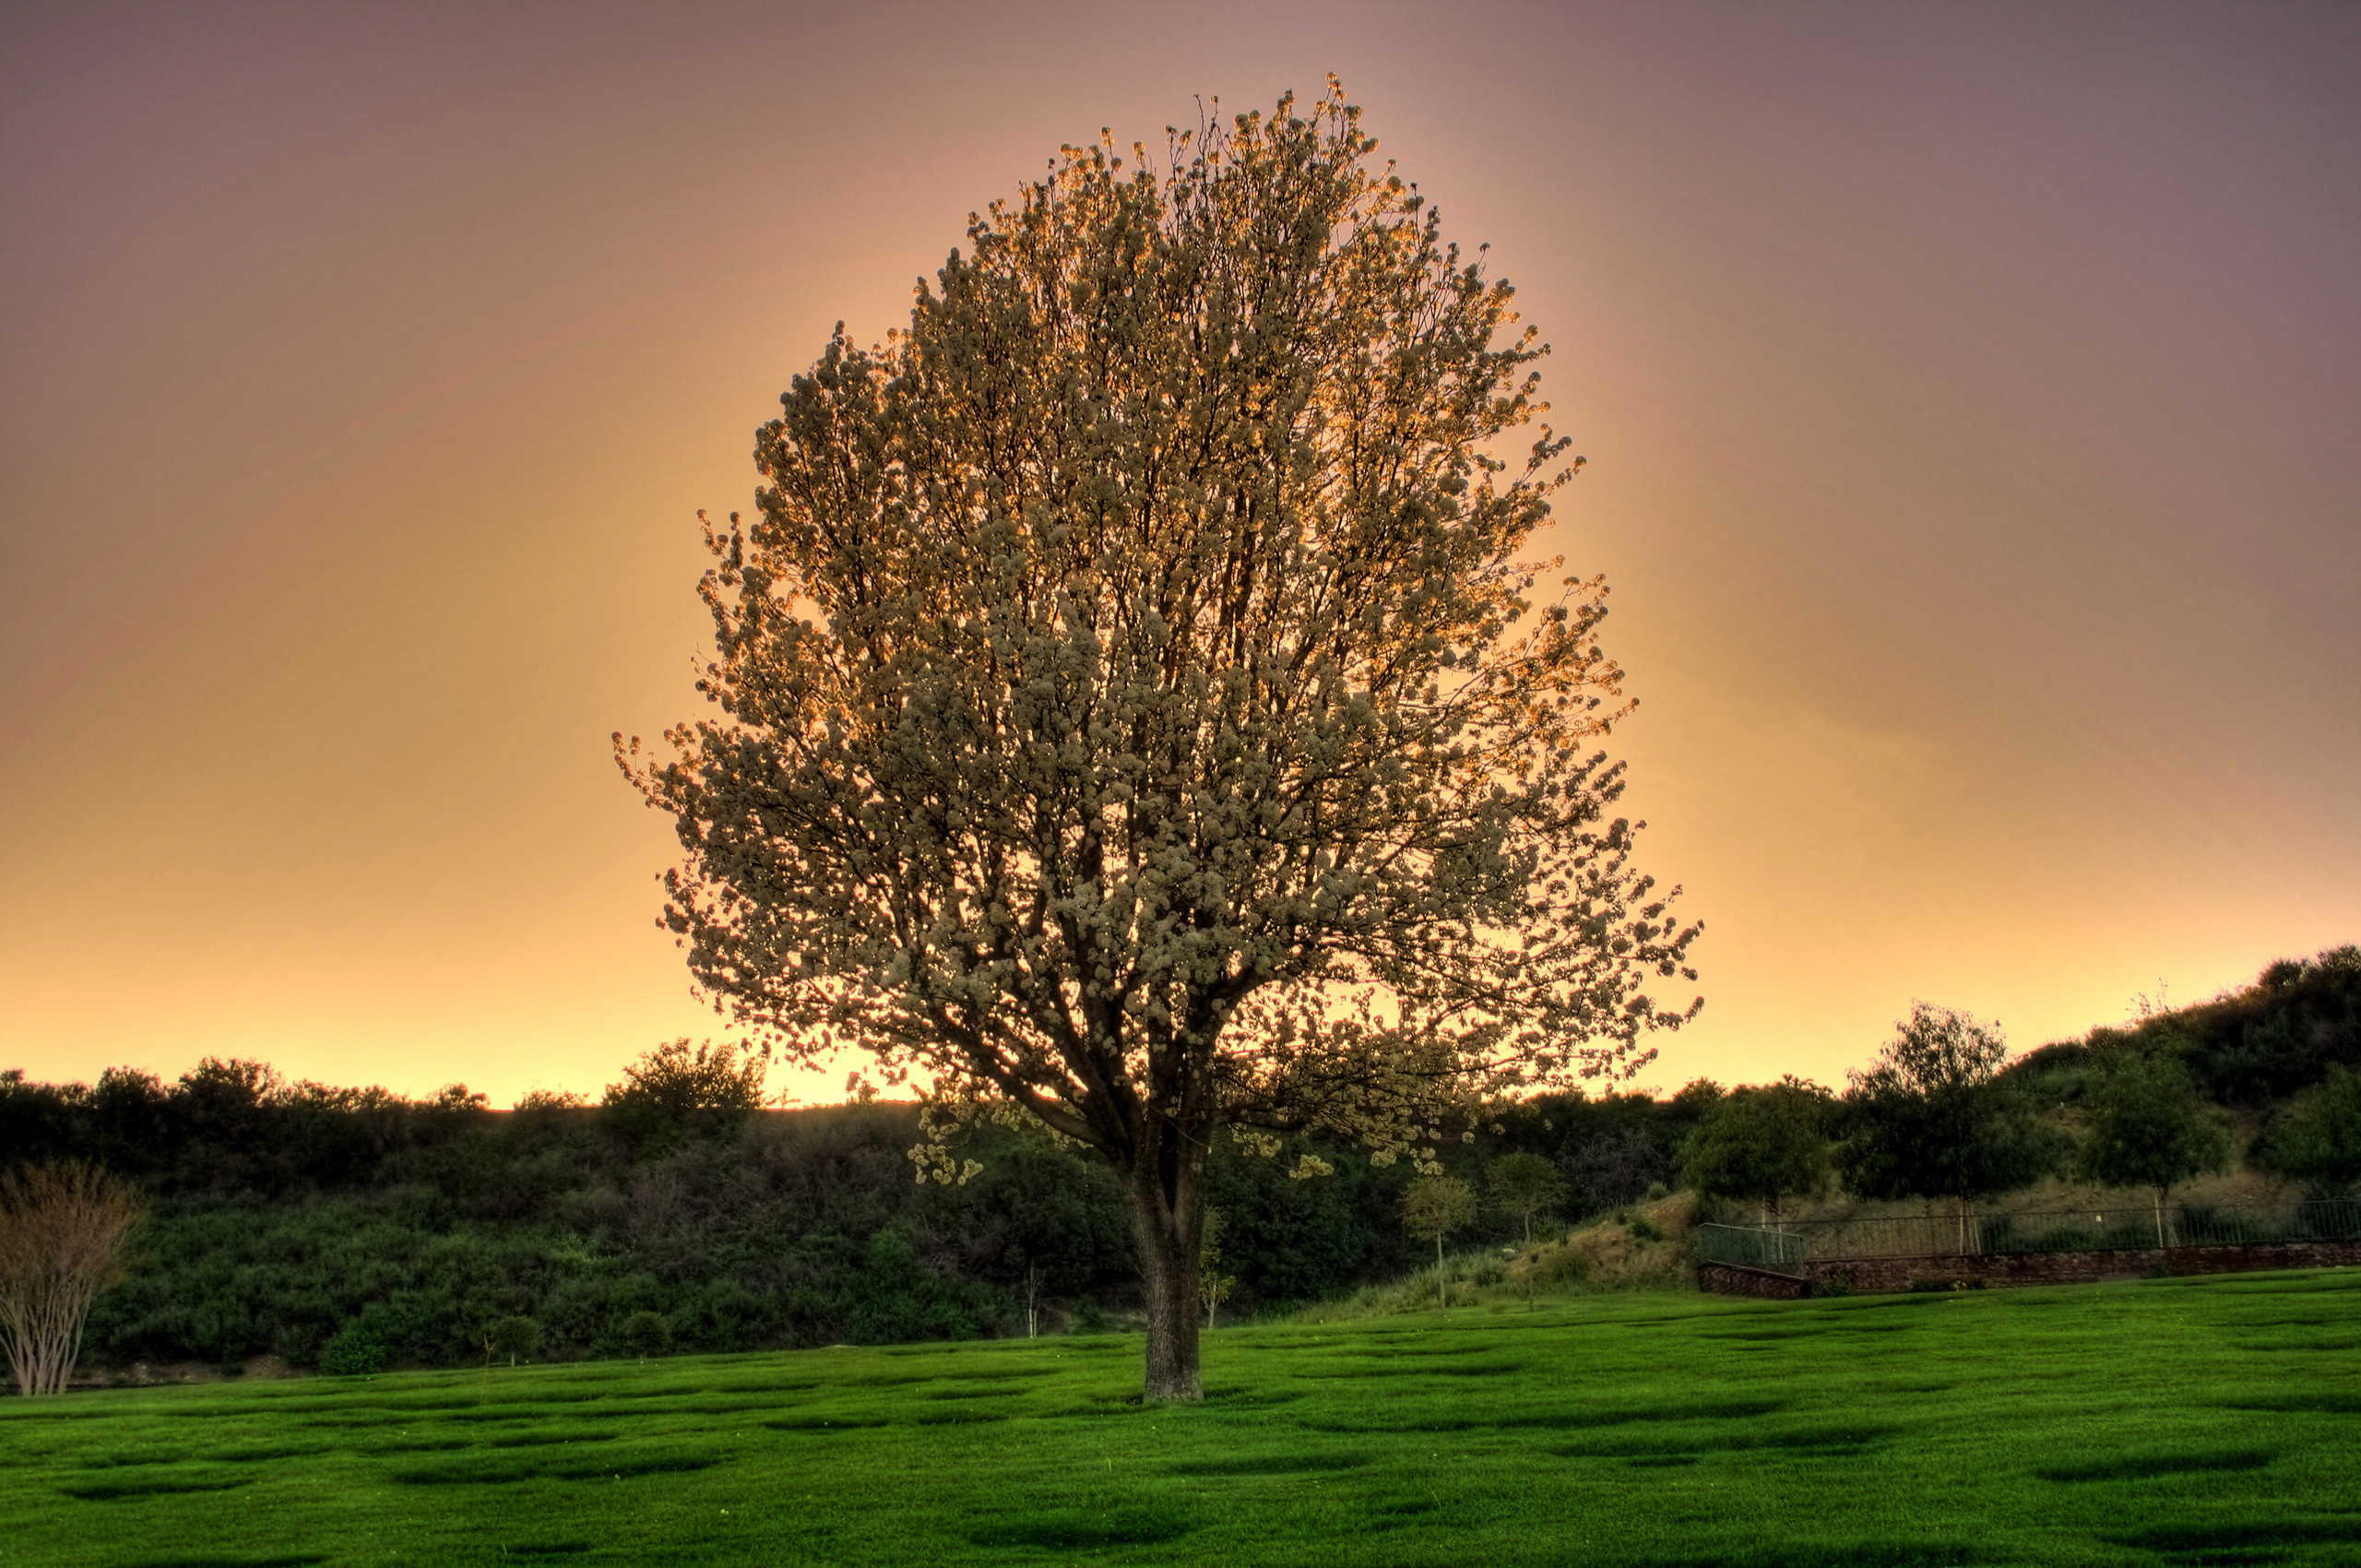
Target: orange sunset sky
(1972, 397)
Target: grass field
(2212, 1421)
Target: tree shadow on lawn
(2243, 1538)
(510, 1471)
(220, 1559)
(1607, 1416)
(134, 1487)
(1278, 1464)
(2310, 1401)
(1840, 1555)
(2140, 1465)
(1829, 1440)
(1082, 1529)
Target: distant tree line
(338, 1226)
(355, 1227)
(1943, 1115)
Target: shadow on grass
(1710, 1410)
(1270, 1465)
(134, 1487)
(1401, 1515)
(2157, 1462)
(548, 1439)
(826, 1423)
(1461, 1368)
(1562, 1420)
(1842, 1554)
(1082, 1529)
(217, 1560)
(2310, 1401)
(511, 1471)
(2230, 1538)
(1830, 1441)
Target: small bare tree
(64, 1231)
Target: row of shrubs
(767, 1229)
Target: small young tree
(1213, 1286)
(64, 1231)
(1932, 1118)
(1434, 1208)
(2319, 1142)
(1525, 1184)
(644, 1334)
(1763, 1143)
(2148, 1127)
(510, 1336)
(1044, 1224)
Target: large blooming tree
(1134, 710)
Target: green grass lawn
(2209, 1421)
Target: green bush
(356, 1351)
(1089, 1317)
(644, 1334)
(512, 1337)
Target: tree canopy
(1763, 1143)
(1524, 1185)
(682, 1078)
(2319, 1142)
(1434, 1208)
(2148, 1127)
(1932, 1118)
(1136, 706)
(676, 1089)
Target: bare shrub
(64, 1231)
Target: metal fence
(1749, 1246)
(1784, 1249)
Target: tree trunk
(1168, 1220)
(1442, 1287)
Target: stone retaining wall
(1727, 1279)
(1875, 1275)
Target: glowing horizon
(1971, 404)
